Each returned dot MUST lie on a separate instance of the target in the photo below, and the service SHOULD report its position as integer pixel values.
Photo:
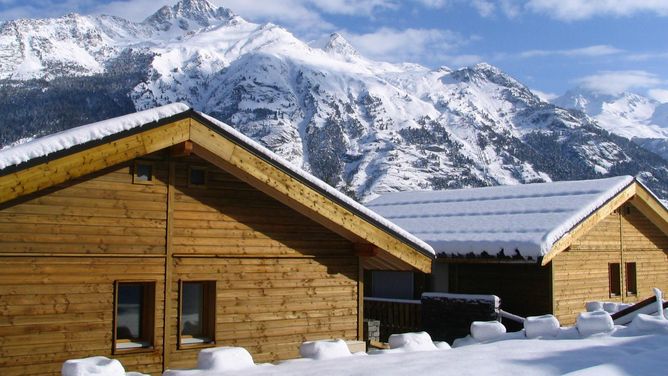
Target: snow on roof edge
(320, 184)
(554, 235)
(63, 140)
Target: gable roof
(59, 157)
(534, 221)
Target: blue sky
(550, 45)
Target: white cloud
(457, 61)
(660, 95)
(545, 96)
(484, 7)
(574, 10)
(615, 82)
(395, 45)
(590, 51)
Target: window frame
(205, 170)
(631, 278)
(135, 169)
(209, 316)
(612, 283)
(147, 322)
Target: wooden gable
(635, 194)
(227, 152)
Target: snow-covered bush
(418, 341)
(326, 349)
(541, 326)
(96, 365)
(589, 323)
(487, 330)
(224, 359)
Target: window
(631, 283)
(134, 315)
(197, 317)
(143, 173)
(615, 279)
(197, 177)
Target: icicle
(659, 301)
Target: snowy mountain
(363, 126)
(629, 115)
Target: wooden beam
(588, 223)
(96, 158)
(182, 149)
(264, 176)
(365, 250)
(169, 260)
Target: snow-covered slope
(626, 114)
(363, 126)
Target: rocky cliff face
(363, 126)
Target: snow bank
(80, 135)
(589, 323)
(649, 324)
(325, 349)
(486, 330)
(541, 326)
(418, 341)
(224, 359)
(96, 365)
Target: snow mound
(541, 326)
(649, 324)
(418, 341)
(610, 307)
(225, 359)
(325, 349)
(589, 323)
(486, 330)
(96, 365)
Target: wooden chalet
(148, 237)
(542, 248)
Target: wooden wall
(281, 278)
(581, 273)
(524, 289)
(60, 253)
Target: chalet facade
(542, 248)
(148, 237)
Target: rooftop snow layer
(527, 218)
(64, 140)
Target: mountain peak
(201, 12)
(338, 45)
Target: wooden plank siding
(581, 272)
(281, 278)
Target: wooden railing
(395, 315)
(647, 306)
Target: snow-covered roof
(527, 218)
(67, 139)
(91, 133)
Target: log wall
(581, 272)
(281, 278)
